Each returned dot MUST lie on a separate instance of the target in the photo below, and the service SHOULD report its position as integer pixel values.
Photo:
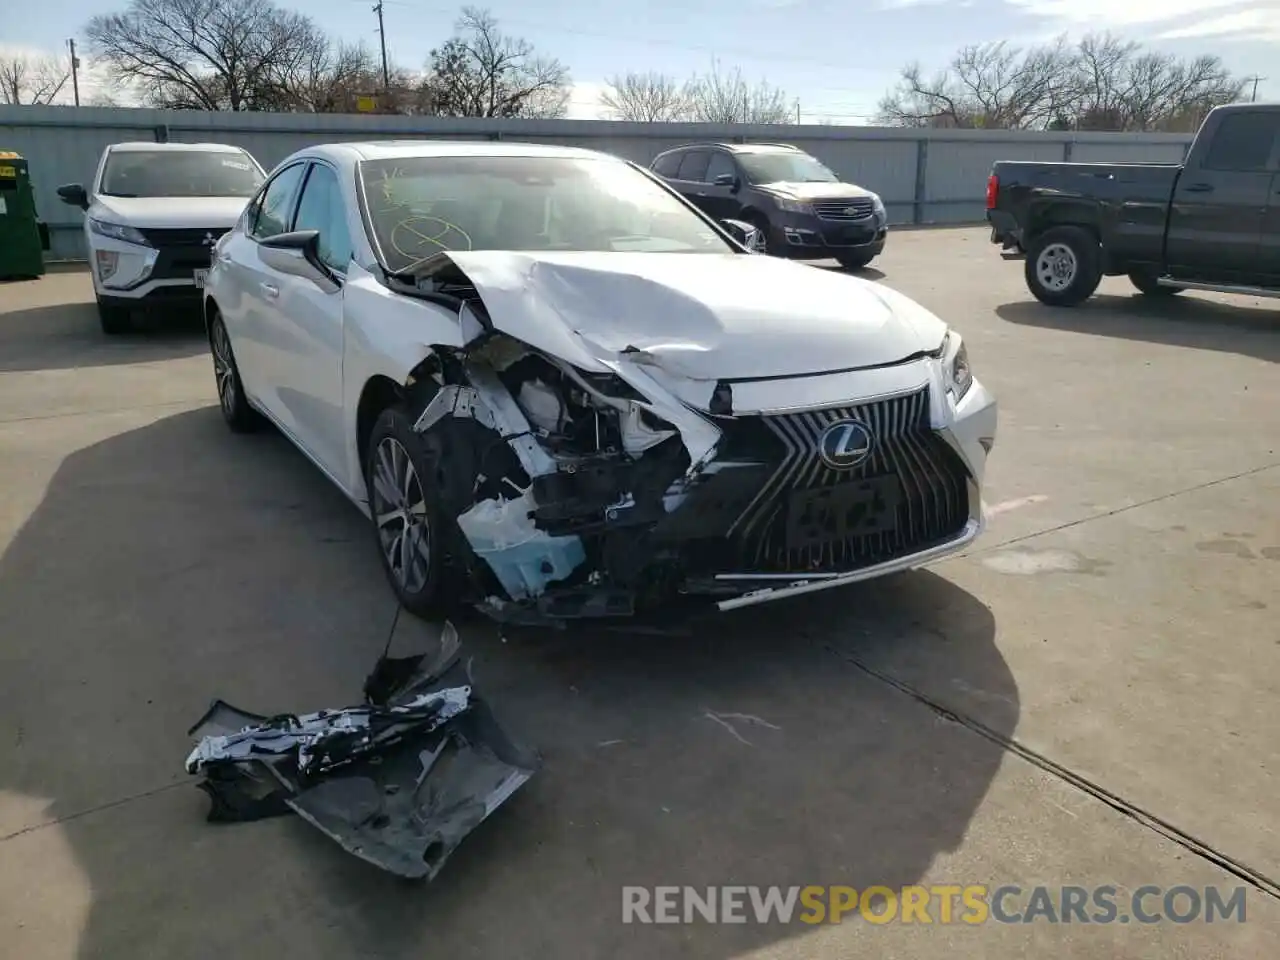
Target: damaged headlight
(955, 365)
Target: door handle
(700, 194)
(1200, 188)
(270, 290)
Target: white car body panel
(702, 317)
(788, 337)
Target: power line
(696, 47)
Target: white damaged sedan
(559, 390)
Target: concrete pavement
(1114, 632)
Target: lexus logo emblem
(845, 444)
(209, 239)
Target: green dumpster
(23, 238)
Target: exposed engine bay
(580, 494)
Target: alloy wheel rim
(223, 369)
(1056, 267)
(400, 514)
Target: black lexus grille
(853, 208)
(915, 467)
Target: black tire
(233, 403)
(1063, 266)
(432, 588)
(761, 223)
(114, 319)
(855, 261)
(1146, 283)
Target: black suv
(802, 208)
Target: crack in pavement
(194, 402)
(32, 828)
(1103, 515)
(1255, 878)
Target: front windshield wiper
(126, 196)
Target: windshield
(180, 173)
(422, 205)
(785, 167)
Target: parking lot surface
(1089, 697)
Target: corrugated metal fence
(924, 176)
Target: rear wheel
(240, 417)
(1063, 266)
(1146, 282)
(114, 319)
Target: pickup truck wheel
(1063, 266)
(1146, 283)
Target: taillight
(993, 188)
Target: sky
(835, 57)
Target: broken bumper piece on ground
(398, 781)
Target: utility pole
(1255, 80)
(746, 110)
(797, 111)
(382, 39)
(75, 70)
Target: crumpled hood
(701, 316)
(801, 190)
(169, 212)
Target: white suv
(153, 213)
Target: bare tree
(481, 72)
(1122, 88)
(208, 54)
(322, 78)
(717, 97)
(32, 79)
(1101, 83)
(647, 98)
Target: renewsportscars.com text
(944, 904)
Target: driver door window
(321, 208)
(276, 209)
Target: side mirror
(726, 180)
(297, 253)
(74, 195)
(746, 234)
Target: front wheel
(1147, 283)
(855, 261)
(408, 522)
(113, 319)
(769, 246)
(1063, 266)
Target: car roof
(406, 149)
(136, 146)
(739, 147)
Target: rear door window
(668, 165)
(694, 166)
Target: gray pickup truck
(1212, 223)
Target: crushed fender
(398, 781)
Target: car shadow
(176, 563)
(867, 273)
(1182, 321)
(62, 336)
